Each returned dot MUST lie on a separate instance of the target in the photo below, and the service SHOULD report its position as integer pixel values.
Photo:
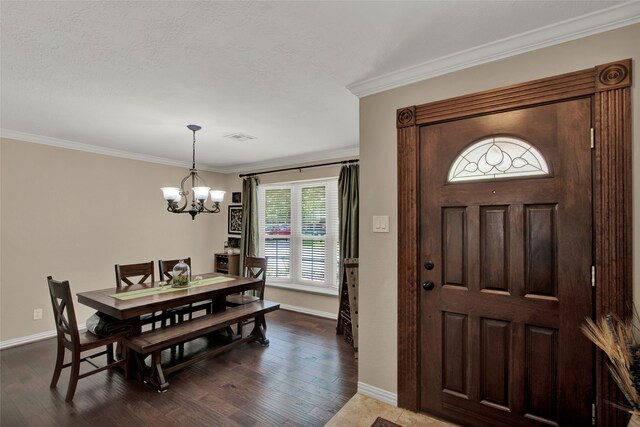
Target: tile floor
(362, 411)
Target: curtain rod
(343, 162)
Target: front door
(506, 255)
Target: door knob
(429, 265)
(428, 285)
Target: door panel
(494, 374)
(453, 252)
(540, 244)
(500, 341)
(494, 246)
(542, 372)
(454, 337)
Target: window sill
(304, 288)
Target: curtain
(249, 236)
(348, 211)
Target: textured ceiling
(130, 76)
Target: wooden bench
(154, 341)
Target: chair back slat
(256, 268)
(141, 272)
(63, 311)
(165, 267)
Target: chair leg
(73, 376)
(181, 345)
(172, 321)
(126, 362)
(119, 350)
(59, 363)
(110, 358)
(240, 328)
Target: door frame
(608, 85)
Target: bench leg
(259, 330)
(157, 375)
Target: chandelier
(174, 195)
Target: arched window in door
(497, 157)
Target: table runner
(124, 296)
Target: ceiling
(125, 78)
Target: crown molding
(94, 149)
(294, 160)
(593, 23)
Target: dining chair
(70, 338)
(165, 267)
(255, 268)
(142, 271)
(137, 274)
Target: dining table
(134, 301)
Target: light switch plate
(381, 224)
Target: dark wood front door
(506, 263)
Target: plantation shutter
(299, 228)
(276, 227)
(313, 215)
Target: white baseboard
(378, 393)
(318, 313)
(33, 338)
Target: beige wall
(307, 301)
(378, 252)
(74, 215)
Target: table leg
(134, 366)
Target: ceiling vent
(240, 137)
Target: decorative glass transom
(498, 157)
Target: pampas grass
(617, 340)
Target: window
(298, 227)
(498, 157)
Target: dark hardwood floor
(302, 379)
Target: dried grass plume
(616, 339)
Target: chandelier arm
(216, 208)
(182, 192)
(173, 206)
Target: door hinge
(593, 276)
(593, 143)
(593, 414)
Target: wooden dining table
(134, 301)
(103, 301)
